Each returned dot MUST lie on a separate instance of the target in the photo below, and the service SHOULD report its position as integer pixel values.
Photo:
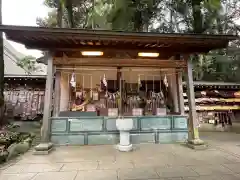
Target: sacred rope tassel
(73, 80)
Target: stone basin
(124, 124)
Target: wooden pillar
(193, 133)
(57, 93)
(47, 101)
(45, 146)
(174, 92)
(173, 89)
(180, 93)
(119, 84)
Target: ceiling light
(92, 53)
(147, 54)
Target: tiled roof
(11, 56)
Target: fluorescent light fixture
(92, 53)
(148, 54)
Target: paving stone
(32, 159)
(115, 164)
(97, 175)
(230, 177)
(172, 178)
(215, 177)
(211, 169)
(31, 168)
(233, 167)
(56, 175)
(202, 178)
(26, 176)
(148, 161)
(232, 159)
(175, 171)
(42, 167)
(5, 166)
(13, 169)
(137, 173)
(184, 161)
(80, 166)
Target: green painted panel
(135, 123)
(142, 138)
(165, 138)
(68, 139)
(154, 123)
(76, 139)
(86, 124)
(103, 139)
(60, 140)
(77, 114)
(179, 136)
(111, 124)
(59, 125)
(180, 122)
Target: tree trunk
(59, 13)
(1, 71)
(197, 16)
(69, 7)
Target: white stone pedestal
(124, 126)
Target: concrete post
(45, 146)
(124, 125)
(57, 93)
(180, 93)
(193, 135)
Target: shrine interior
(98, 90)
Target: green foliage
(97, 16)
(28, 63)
(165, 16)
(73, 13)
(8, 137)
(130, 15)
(49, 21)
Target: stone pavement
(221, 161)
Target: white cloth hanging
(104, 80)
(165, 81)
(139, 81)
(73, 80)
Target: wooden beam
(171, 48)
(121, 62)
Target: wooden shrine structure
(122, 57)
